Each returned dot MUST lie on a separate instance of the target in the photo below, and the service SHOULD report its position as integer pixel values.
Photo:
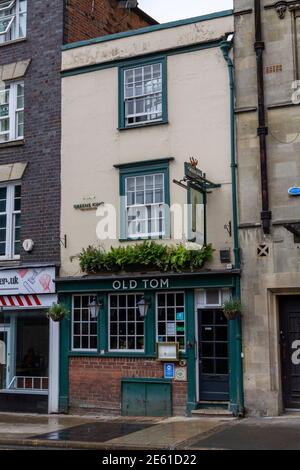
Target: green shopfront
(149, 344)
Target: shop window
(13, 16)
(24, 353)
(11, 111)
(171, 318)
(144, 201)
(10, 221)
(126, 326)
(143, 91)
(84, 326)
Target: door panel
(5, 354)
(213, 355)
(289, 311)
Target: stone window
(10, 221)
(11, 111)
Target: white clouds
(169, 10)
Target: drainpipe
(262, 130)
(236, 366)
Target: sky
(170, 10)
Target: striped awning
(27, 300)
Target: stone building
(267, 47)
(31, 35)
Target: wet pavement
(94, 432)
(86, 432)
(74, 432)
(281, 433)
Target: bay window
(11, 111)
(10, 221)
(13, 17)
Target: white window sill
(12, 41)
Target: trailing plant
(147, 254)
(232, 308)
(57, 312)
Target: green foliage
(57, 312)
(233, 305)
(148, 254)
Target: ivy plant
(148, 254)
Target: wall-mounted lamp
(95, 306)
(143, 306)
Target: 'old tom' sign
(132, 284)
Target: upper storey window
(12, 20)
(143, 94)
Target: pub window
(84, 327)
(11, 111)
(10, 221)
(126, 326)
(143, 91)
(145, 199)
(13, 16)
(171, 318)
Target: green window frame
(142, 94)
(142, 170)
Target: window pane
(126, 327)
(143, 94)
(171, 318)
(84, 326)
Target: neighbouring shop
(145, 345)
(28, 340)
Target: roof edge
(148, 29)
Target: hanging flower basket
(57, 312)
(232, 309)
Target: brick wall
(92, 18)
(41, 148)
(95, 383)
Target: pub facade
(148, 174)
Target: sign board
(87, 206)
(38, 280)
(180, 374)
(294, 191)
(167, 352)
(169, 371)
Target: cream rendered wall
(198, 107)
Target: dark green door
(146, 398)
(213, 355)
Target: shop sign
(133, 284)
(88, 206)
(27, 281)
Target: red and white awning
(27, 301)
